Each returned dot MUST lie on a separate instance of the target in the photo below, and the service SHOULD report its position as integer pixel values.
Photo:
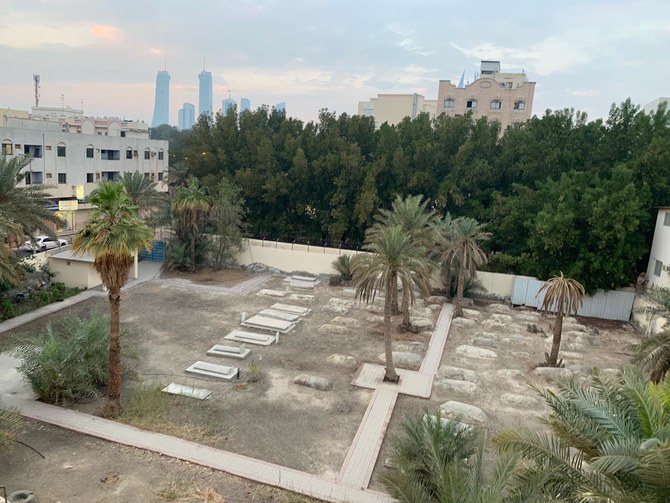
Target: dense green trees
(561, 193)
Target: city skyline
(162, 99)
(585, 55)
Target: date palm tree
(23, 211)
(113, 235)
(653, 353)
(393, 255)
(564, 297)
(191, 206)
(464, 251)
(141, 192)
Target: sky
(315, 54)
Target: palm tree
(179, 175)
(413, 216)
(610, 442)
(191, 205)
(394, 255)
(564, 297)
(444, 236)
(23, 211)
(113, 234)
(653, 353)
(464, 252)
(441, 461)
(141, 192)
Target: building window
(147, 154)
(666, 219)
(7, 148)
(129, 153)
(60, 151)
(28, 178)
(496, 105)
(62, 178)
(160, 176)
(89, 177)
(519, 106)
(147, 175)
(449, 103)
(658, 267)
(123, 134)
(110, 155)
(471, 105)
(89, 152)
(33, 150)
(160, 155)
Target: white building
(658, 270)
(652, 106)
(72, 153)
(393, 108)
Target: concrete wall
(496, 284)
(75, 273)
(660, 251)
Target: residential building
(205, 98)
(504, 97)
(227, 105)
(73, 153)
(393, 108)
(162, 101)
(652, 106)
(186, 116)
(658, 268)
(245, 105)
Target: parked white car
(43, 243)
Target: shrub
(68, 365)
(10, 421)
(343, 265)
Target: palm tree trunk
(388, 349)
(459, 292)
(192, 245)
(447, 281)
(556, 342)
(405, 310)
(113, 407)
(394, 295)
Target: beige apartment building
(393, 108)
(505, 97)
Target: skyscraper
(280, 107)
(226, 105)
(245, 105)
(162, 103)
(186, 116)
(205, 97)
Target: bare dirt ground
(169, 326)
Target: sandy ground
(169, 327)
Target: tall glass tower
(205, 96)
(162, 102)
(227, 105)
(245, 105)
(186, 116)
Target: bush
(68, 365)
(10, 421)
(343, 265)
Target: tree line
(562, 193)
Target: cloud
(106, 32)
(156, 51)
(410, 45)
(589, 93)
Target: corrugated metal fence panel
(611, 305)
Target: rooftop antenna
(36, 80)
(204, 66)
(166, 64)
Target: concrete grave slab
(463, 411)
(552, 373)
(300, 297)
(464, 322)
(500, 308)
(306, 279)
(410, 361)
(250, 338)
(448, 372)
(347, 322)
(336, 301)
(471, 313)
(329, 329)
(456, 386)
(306, 285)
(475, 352)
(340, 360)
(299, 310)
(316, 382)
(189, 391)
(222, 372)
(229, 351)
(335, 309)
(265, 323)
(271, 293)
(279, 315)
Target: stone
(435, 307)
(320, 383)
(520, 354)
(475, 352)
(349, 293)
(471, 313)
(446, 422)
(569, 355)
(581, 369)
(573, 327)
(485, 342)
(336, 301)
(375, 318)
(340, 360)
(464, 322)
(552, 373)
(499, 308)
(347, 322)
(436, 299)
(271, 293)
(489, 335)
(501, 318)
(461, 387)
(448, 372)
(463, 411)
(528, 318)
(514, 373)
(516, 399)
(494, 326)
(301, 297)
(375, 309)
(421, 324)
(410, 347)
(336, 309)
(611, 372)
(571, 334)
(588, 340)
(421, 312)
(404, 360)
(569, 319)
(329, 329)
